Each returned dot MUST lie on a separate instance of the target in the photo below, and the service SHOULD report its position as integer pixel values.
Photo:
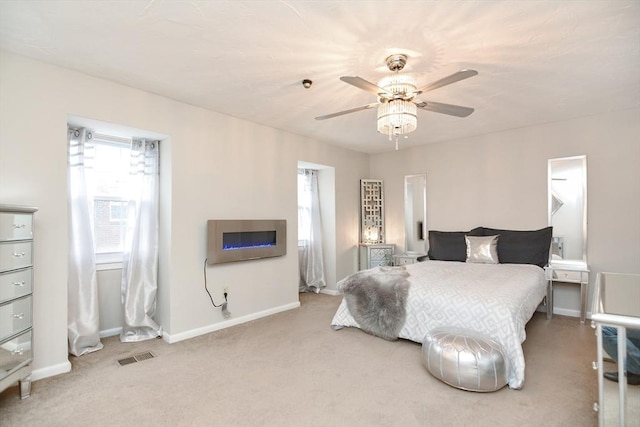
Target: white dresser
(16, 289)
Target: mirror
(415, 213)
(567, 183)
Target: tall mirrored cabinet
(374, 252)
(415, 219)
(567, 212)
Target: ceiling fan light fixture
(398, 85)
(397, 114)
(397, 117)
(397, 104)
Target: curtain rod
(111, 138)
(115, 139)
(121, 139)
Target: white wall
(216, 166)
(500, 180)
(213, 166)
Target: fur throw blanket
(376, 299)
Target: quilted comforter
(494, 299)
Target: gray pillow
(523, 247)
(450, 245)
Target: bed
(496, 298)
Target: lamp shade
(397, 117)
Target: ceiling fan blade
(352, 110)
(363, 84)
(455, 77)
(452, 110)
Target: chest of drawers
(16, 293)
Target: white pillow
(482, 249)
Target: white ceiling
(538, 61)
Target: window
(117, 211)
(110, 201)
(304, 207)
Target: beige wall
(500, 180)
(214, 166)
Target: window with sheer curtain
(113, 211)
(309, 232)
(110, 198)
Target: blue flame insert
(248, 239)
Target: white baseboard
(173, 338)
(332, 292)
(565, 312)
(50, 371)
(570, 312)
(110, 332)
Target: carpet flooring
(292, 369)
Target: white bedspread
(494, 299)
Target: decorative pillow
(523, 247)
(482, 250)
(450, 245)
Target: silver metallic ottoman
(465, 359)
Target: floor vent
(136, 358)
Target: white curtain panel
(82, 318)
(309, 233)
(140, 261)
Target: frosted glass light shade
(397, 117)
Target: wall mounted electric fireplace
(231, 240)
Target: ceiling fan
(397, 98)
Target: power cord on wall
(225, 312)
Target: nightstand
(404, 259)
(376, 255)
(568, 273)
